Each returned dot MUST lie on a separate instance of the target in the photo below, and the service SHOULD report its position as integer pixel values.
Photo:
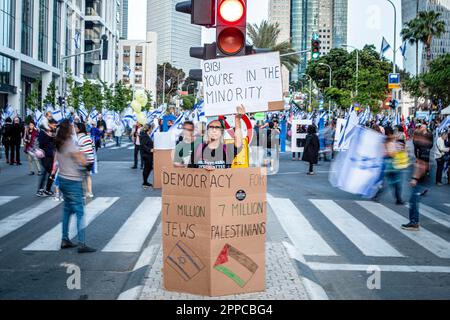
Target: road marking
(304, 237)
(362, 237)
(130, 148)
(51, 240)
(424, 238)
(146, 257)
(133, 233)
(319, 266)
(433, 214)
(6, 199)
(19, 219)
(131, 294)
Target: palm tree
(266, 35)
(424, 28)
(410, 33)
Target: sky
(369, 21)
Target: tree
(188, 102)
(173, 77)
(424, 28)
(265, 35)
(33, 100)
(122, 97)
(149, 101)
(74, 96)
(50, 97)
(91, 95)
(437, 80)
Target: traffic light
(201, 11)
(104, 47)
(315, 49)
(231, 25)
(61, 101)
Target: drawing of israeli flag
(359, 169)
(385, 46)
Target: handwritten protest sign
(254, 81)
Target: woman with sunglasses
(214, 153)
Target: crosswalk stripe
(433, 214)
(51, 240)
(319, 266)
(302, 234)
(133, 233)
(424, 238)
(6, 199)
(19, 219)
(130, 148)
(362, 237)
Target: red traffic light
(230, 41)
(231, 10)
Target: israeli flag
(403, 48)
(9, 111)
(347, 133)
(365, 116)
(156, 129)
(177, 128)
(93, 115)
(37, 117)
(57, 115)
(444, 125)
(82, 112)
(77, 39)
(385, 46)
(359, 169)
(49, 108)
(397, 120)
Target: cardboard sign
(214, 230)
(254, 81)
(298, 130)
(161, 159)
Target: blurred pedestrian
(311, 150)
(17, 134)
(147, 154)
(46, 139)
(135, 135)
(7, 137)
(70, 161)
(96, 135)
(31, 134)
(86, 146)
(441, 156)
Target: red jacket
(30, 139)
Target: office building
(175, 32)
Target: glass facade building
(124, 20)
(27, 27)
(439, 45)
(43, 31)
(7, 22)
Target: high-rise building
(327, 18)
(175, 32)
(280, 12)
(137, 63)
(124, 19)
(102, 18)
(37, 35)
(439, 46)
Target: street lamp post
(331, 72)
(357, 65)
(395, 34)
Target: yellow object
(241, 159)
(401, 160)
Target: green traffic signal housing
(315, 49)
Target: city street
(321, 242)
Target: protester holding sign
(214, 153)
(311, 151)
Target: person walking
(135, 134)
(118, 133)
(392, 148)
(441, 156)
(86, 146)
(6, 137)
(147, 154)
(96, 135)
(31, 134)
(424, 143)
(17, 133)
(70, 161)
(46, 139)
(311, 151)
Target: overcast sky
(369, 21)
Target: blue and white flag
(9, 112)
(385, 46)
(93, 115)
(49, 108)
(82, 112)
(77, 39)
(37, 117)
(444, 125)
(359, 169)
(403, 48)
(364, 116)
(397, 120)
(346, 134)
(177, 128)
(57, 115)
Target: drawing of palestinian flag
(184, 261)
(235, 265)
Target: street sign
(394, 81)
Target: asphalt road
(338, 236)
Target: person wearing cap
(213, 153)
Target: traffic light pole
(294, 53)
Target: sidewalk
(282, 281)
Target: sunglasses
(215, 127)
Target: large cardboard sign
(254, 81)
(161, 159)
(214, 230)
(299, 132)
